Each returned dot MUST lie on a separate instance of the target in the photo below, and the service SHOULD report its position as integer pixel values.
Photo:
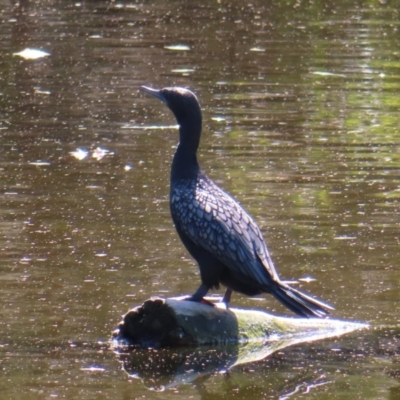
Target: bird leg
(227, 297)
(198, 296)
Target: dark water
(301, 123)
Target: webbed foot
(199, 300)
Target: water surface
(300, 104)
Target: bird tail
(299, 302)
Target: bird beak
(153, 92)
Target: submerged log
(171, 322)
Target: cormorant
(219, 234)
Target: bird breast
(211, 217)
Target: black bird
(219, 234)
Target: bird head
(182, 102)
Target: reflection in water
(163, 369)
(311, 365)
(301, 125)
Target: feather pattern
(215, 221)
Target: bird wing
(216, 222)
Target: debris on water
(39, 163)
(32, 54)
(325, 73)
(307, 279)
(99, 153)
(93, 369)
(177, 47)
(79, 154)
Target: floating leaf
(259, 49)
(32, 54)
(178, 47)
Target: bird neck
(184, 164)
